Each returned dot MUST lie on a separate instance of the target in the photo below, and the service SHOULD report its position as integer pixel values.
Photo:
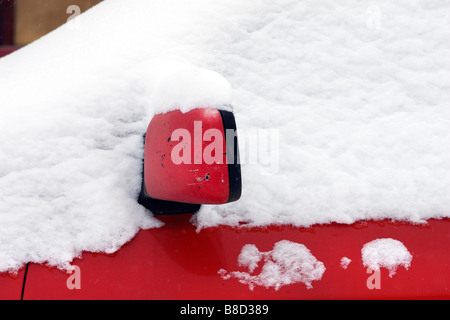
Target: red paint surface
(194, 182)
(11, 285)
(176, 262)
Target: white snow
(287, 263)
(358, 92)
(191, 88)
(250, 257)
(387, 253)
(345, 261)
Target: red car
(177, 262)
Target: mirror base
(165, 207)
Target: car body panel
(11, 285)
(178, 262)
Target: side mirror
(190, 159)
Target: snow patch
(287, 263)
(345, 262)
(190, 88)
(387, 253)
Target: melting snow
(387, 253)
(287, 263)
(345, 262)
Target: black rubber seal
(233, 160)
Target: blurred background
(23, 21)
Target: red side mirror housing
(190, 159)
